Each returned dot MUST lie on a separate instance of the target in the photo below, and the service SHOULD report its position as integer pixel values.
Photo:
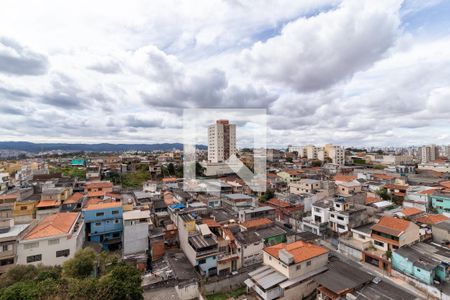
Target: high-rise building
(221, 141)
(429, 153)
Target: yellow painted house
(24, 211)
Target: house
(53, 240)
(74, 202)
(104, 224)
(348, 188)
(345, 215)
(345, 281)
(288, 271)
(47, 207)
(286, 212)
(98, 186)
(289, 176)
(10, 234)
(24, 211)
(426, 262)
(411, 213)
(136, 225)
(304, 186)
(430, 220)
(237, 202)
(249, 248)
(317, 223)
(392, 233)
(388, 235)
(7, 205)
(418, 197)
(440, 201)
(441, 232)
(359, 241)
(256, 213)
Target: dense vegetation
(86, 276)
(73, 172)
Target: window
(31, 245)
(379, 243)
(270, 257)
(34, 258)
(361, 236)
(98, 224)
(53, 242)
(8, 261)
(298, 267)
(23, 208)
(117, 221)
(308, 263)
(115, 212)
(202, 261)
(64, 253)
(99, 214)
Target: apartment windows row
(38, 257)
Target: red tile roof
(301, 251)
(411, 211)
(370, 200)
(169, 179)
(431, 219)
(98, 184)
(278, 203)
(211, 222)
(344, 178)
(391, 225)
(445, 184)
(256, 223)
(96, 194)
(383, 176)
(103, 205)
(47, 203)
(53, 225)
(75, 198)
(8, 197)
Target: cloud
(19, 60)
(314, 53)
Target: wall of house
(410, 236)
(135, 237)
(300, 291)
(303, 267)
(47, 248)
(405, 266)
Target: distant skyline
(351, 72)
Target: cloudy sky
(351, 72)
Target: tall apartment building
(335, 153)
(429, 153)
(221, 141)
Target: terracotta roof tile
(98, 184)
(391, 225)
(74, 198)
(431, 219)
(344, 178)
(169, 179)
(211, 222)
(96, 194)
(445, 184)
(301, 251)
(411, 211)
(277, 202)
(370, 200)
(256, 223)
(48, 203)
(53, 225)
(383, 176)
(103, 205)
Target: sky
(350, 72)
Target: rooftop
(300, 250)
(99, 184)
(75, 198)
(391, 225)
(47, 203)
(53, 225)
(14, 231)
(431, 219)
(257, 223)
(411, 211)
(104, 205)
(136, 214)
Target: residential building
(10, 234)
(221, 141)
(304, 186)
(24, 211)
(7, 205)
(345, 215)
(237, 202)
(98, 186)
(47, 207)
(418, 197)
(440, 201)
(256, 213)
(136, 225)
(287, 212)
(426, 262)
(317, 223)
(53, 240)
(288, 271)
(441, 232)
(290, 176)
(392, 233)
(104, 224)
(429, 153)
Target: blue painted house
(425, 262)
(441, 202)
(104, 224)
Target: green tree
(289, 159)
(199, 170)
(171, 169)
(316, 163)
(122, 283)
(82, 265)
(269, 194)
